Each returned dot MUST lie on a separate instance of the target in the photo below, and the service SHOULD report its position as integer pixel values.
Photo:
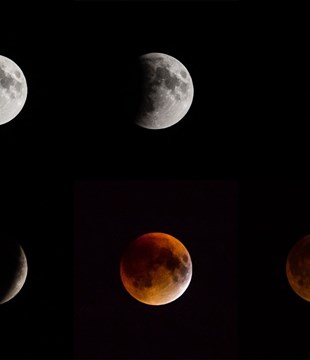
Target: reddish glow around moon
(156, 268)
(298, 268)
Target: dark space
(78, 180)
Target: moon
(156, 268)
(298, 268)
(166, 92)
(13, 90)
(13, 270)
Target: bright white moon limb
(13, 90)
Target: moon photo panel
(155, 267)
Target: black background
(250, 75)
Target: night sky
(79, 180)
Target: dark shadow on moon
(6, 80)
(141, 271)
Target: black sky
(78, 180)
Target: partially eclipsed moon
(13, 90)
(166, 91)
(298, 268)
(156, 268)
(13, 270)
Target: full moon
(166, 91)
(298, 268)
(13, 270)
(156, 268)
(13, 90)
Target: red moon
(156, 268)
(298, 268)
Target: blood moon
(298, 268)
(156, 268)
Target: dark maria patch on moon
(172, 263)
(6, 80)
(183, 74)
(168, 259)
(143, 281)
(18, 86)
(184, 87)
(170, 80)
(154, 79)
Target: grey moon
(16, 268)
(167, 91)
(13, 90)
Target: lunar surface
(13, 90)
(13, 270)
(156, 268)
(298, 268)
(166, 91)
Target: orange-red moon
(298, 268)
(156, 268)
